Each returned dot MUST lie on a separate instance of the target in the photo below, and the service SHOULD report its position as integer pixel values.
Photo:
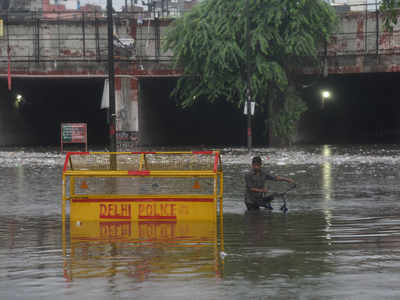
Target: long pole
(248, 90)
(111, 76)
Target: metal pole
(377, 29)
(248, 90)
(111, 76)
(83, 35)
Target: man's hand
(290, 180)
(259, 190)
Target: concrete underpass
(46, 103)
(49, 102)
(362, 109)
(163, 122)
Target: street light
(18, 100)
(325, 95)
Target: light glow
(326, 94)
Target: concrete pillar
(127, 111)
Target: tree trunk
(272, 109)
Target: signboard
(252, 107)
(166, 209)
(1, 28)
(126, 140)
(73, 133)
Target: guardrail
(81, 36)
(361, 31)
(71, 36)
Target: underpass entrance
(361, 108)
(43, 104)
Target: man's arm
(264, 190)
(279, 178)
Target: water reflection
(327, 173)
(143, 250)
(20, 178)
(327, 187)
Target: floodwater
(339, 240)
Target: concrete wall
(361, 45)
(82, 39)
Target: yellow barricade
(143, 186)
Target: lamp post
(248, 90)
(111, 77)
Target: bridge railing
(70, 36)
(361, 31)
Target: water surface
(339, 240)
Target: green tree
(390, 8)
(210, 45)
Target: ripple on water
(340, 238)
(22, 158)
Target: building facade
(159, 7)
(355, 5)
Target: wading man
(255, 186)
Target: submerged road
(339, 240)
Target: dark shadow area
(163, 122)
(46, 103)
(362, 108)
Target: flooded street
(339, 240)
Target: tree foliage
(284, 122)
(390, 8)
(210, 45)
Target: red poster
(9, 69)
